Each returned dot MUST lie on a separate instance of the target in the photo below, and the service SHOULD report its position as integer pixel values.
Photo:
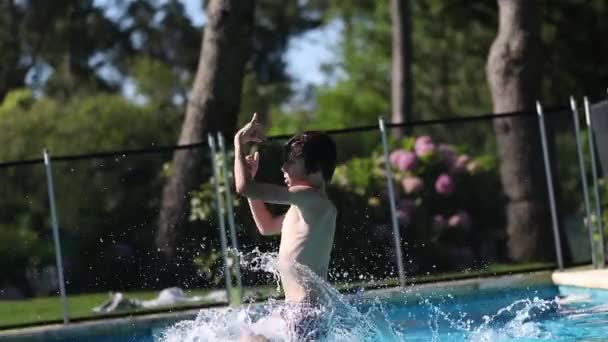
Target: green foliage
(446, 67)
(21, 247)
(77, 108)
(570, 184)
(261, 97)
(573, 63)
(77, 59)
(211, 266)
(65, 36)
(88, 212)
(15, 100)
(158, 82)
(91, 123)
(203, 206)
(359, 175)
(202, 203)
(444, 199)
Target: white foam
(336, 318)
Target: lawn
(44, 310)
(49, 309)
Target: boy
(307, 228)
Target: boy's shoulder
(318, 198)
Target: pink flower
(461, 163)
(447, 153)
(403, 160)
(395, 156)
(412, 184)
(460, 219)
(405, 211)
(444, 184)
(424, 145)
(439, 221)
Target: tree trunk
(12, 75)
(401, 76)
(514, 77)
(212, 107)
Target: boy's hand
(252, 163)
(253, 131)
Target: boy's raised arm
(242, 176)
(267, 223)
(301, 196)
(245, 168)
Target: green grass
(491, 270)
(49, 309)
(44, 310)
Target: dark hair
(318, 150)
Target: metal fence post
(230, 213)
(220, 218)
(55, 225)
(598, 202)
(549, 174)
(391, 194)
(581, 162)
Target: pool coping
(159, 320)
(465, 286)
(582, 277)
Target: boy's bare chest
(294, 222)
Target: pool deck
(589, 278)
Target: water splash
(338, 318)
(334, 319)
(519, 320)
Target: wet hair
(318, 150)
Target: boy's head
(310, 153)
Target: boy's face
(294, 172)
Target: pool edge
(462, 286)
(116, 325)
(586, 278)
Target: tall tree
(58, 46)
(12, 72)
(267, 83)
(213, 106)
(401, 81)
(514, 76)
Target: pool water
(545, 313)
(474, 310)
(530, 314)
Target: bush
(449, 207)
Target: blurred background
(110, 87)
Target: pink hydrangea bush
(430, 175)
(444, 197)
(433, 181)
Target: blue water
(545, 313)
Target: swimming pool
(451, 313)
